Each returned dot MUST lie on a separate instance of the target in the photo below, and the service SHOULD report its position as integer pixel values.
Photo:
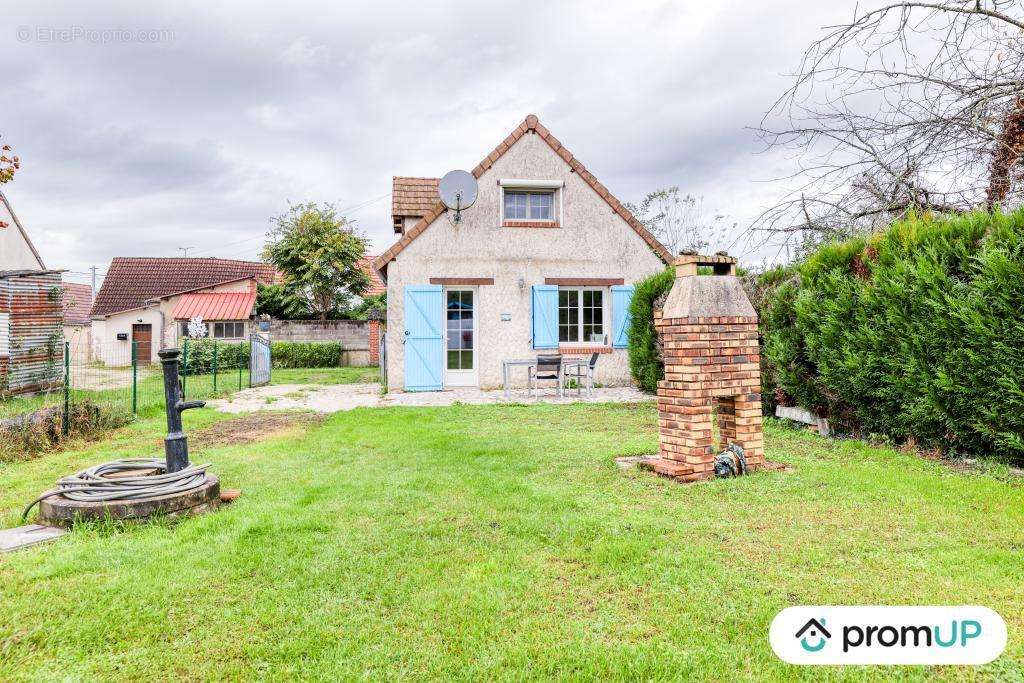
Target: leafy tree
(377, 302)
(318, 253)
(278, 302)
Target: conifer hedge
(645, 362)
(914, 332)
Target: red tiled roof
(377, 285)
(77, 303)
(131, 281)
(413, 197)
(215, 306)
(534, 126)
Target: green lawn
(497, 542)
(150, 392)
(325, 375)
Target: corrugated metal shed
(33, 328)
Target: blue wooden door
(424, 346)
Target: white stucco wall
(106, 347)
(593, 242)
(15, 253)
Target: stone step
(30, 534)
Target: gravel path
(331, 398)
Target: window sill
(530, 224)
(583, 349)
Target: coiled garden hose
(732, 462)
(96, 485)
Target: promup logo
(817, 633)
(888, 635)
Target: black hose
(96, 485)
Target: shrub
(200, 356)
(645, 362)
(283, 355)
(26, 436)
(306, 354)
(914, 332)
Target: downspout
(163, 320)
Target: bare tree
(679, 222)
(911, 106)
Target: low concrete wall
(354, 336)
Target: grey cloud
(134, 148)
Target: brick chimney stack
(708, 330)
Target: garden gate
(259, 360)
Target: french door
(460, 352)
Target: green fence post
(135, 378)
(214, 367)
(65, 422)
(184, 367)
(241, 348)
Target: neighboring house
(544, 262)
(151, 300)
(77, 303)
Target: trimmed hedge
(283, 355)
(916, 333)
(200, 356)
(306, 354)
(645, 361)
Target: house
(76, 304)
(17, 253)
(543, 262)
(151, 300)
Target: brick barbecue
(708, 330)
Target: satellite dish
(457, 190)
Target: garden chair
(548, 367)
(582, 371)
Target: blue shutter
(424, 347)
(545, 316)
(622, 295)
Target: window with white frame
(528, 205)
(229, 330)
(581, 315)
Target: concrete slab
(30, 534)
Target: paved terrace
(331, 398)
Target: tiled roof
(77, 303)
(534, 126)
(215, 306)
(413, 197)
(377, 285)
(131, 281)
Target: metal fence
(116, 377)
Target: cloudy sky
(143, 129)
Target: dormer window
(530, 203)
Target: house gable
(16, 249)
(538, 155)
